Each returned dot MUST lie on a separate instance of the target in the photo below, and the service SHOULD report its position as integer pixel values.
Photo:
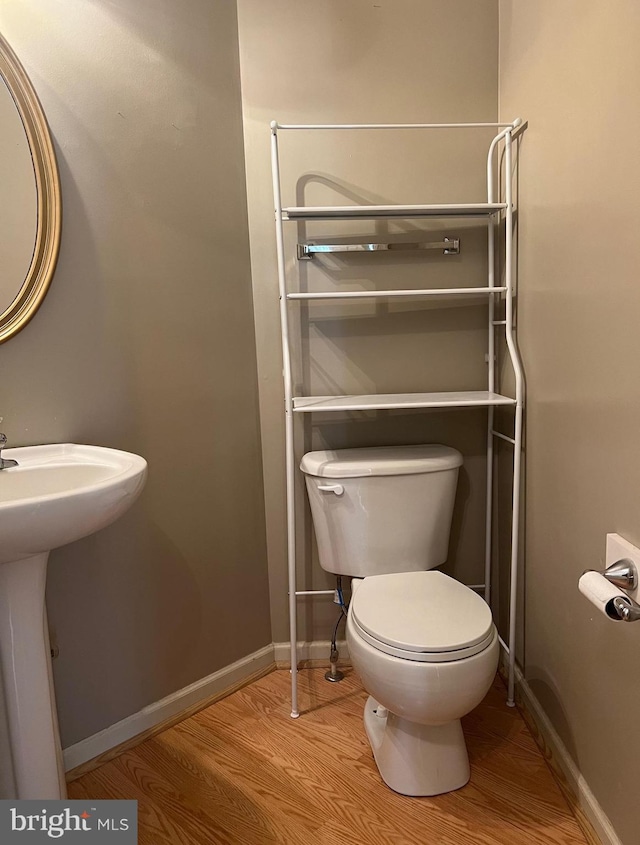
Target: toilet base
(416, 759)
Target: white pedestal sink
(56, 494)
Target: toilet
(423, 644)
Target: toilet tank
(383, 509)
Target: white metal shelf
(488, 211)
(390, 294)
(393, 401)
(368, 212)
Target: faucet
(5, 463)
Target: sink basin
(56, 495)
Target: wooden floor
(243, 772)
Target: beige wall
(572, 69)
(401, 61)
(145, 342)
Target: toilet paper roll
(601, 593)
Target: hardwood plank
(259, 781)
(303, 783)
(220, 813)
(155, 827)
(325, 775)
(242, 772)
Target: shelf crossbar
(275, 125)
(502, 436)
(390, 294)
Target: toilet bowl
(424, 645)
(426, 651)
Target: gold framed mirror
(30, 198)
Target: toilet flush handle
(338, 489)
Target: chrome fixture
(334, 674)
(449, 246)
(627, 609)
(5, 463)
(623, 574)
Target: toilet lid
(423, 615)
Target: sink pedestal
(25, 659)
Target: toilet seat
(421, 616)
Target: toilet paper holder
(627, 609)
(624, 574)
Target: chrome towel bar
(449, 246)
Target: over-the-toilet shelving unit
(493, 212)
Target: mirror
(30, 204)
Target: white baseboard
(318, 650)
(91, 747)
(587, 801)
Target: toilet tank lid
(380, 460)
